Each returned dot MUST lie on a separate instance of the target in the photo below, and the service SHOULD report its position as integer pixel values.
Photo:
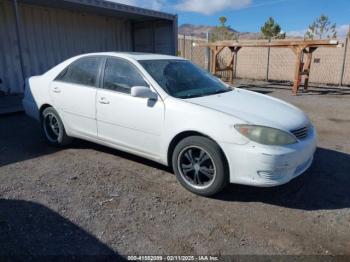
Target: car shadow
(31, 231)
(324, 186)
(21, 139)
(82, 144)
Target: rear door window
(84, 71)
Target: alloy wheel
(196, 167)
(51, 127)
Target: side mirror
(143, 92)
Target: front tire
(53, 128)
(200, 165)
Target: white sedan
(168, 110)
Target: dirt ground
(89, 199)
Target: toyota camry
(169, 110)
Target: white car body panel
(146, 128)
(76, 104)
(130, 122)
(271, 112)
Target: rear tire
(53, 128)
(200, 165)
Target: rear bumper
(31, 108)
(267, 166)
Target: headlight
(266, 135)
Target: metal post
(268, 61)
(176, 36)
(184, 47)
(19, 39)
(344, 58)
(192, 48)
(207, 54)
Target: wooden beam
(215, 56)
(232, 61)
(297, 70)
(231, 66)
(309, 43)
(215, 59)
(307, 66)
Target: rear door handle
(56, 90)
(103, 100)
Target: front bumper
(267, 166)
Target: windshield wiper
(220, 91)
(191, 96)
(205, 94)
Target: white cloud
(342, 30)
(206, 7)
(149, 4)
(125, 2)
(211, 6)
(266, 3)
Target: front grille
(273, 175)
(301, 133)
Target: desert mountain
(201, 31)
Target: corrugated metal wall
(10, 69)
(51, 35)
(143, 37)
(154, 37)
(164, 38)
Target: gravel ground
(89, 199)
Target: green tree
(321, 28)
(272, 30)
(223, 21)
(222, 32)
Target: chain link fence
(329, 65)
(189, 49)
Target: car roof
(137, 55)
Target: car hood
(255, 108)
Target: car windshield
(182, 79)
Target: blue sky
(294, 16)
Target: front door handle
(56, 90)
(103, 100)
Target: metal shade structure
(35, 35)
